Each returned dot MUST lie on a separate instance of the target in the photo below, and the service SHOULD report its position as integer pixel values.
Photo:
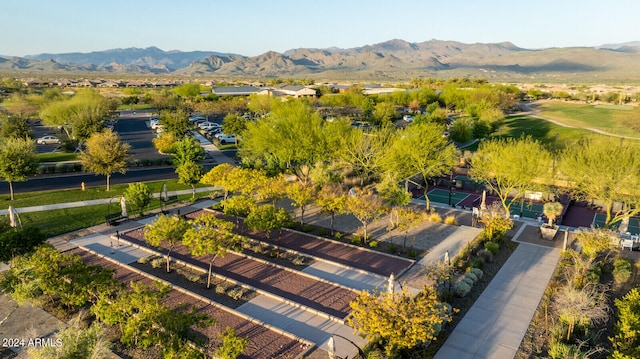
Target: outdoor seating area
(629, 241)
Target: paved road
(89, 179)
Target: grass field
(608, 118)
(74, 195)
(56, 156)
(541, 130)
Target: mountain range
(390, 60)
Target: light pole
(452, 184)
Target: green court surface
(529, 209)
(634, 223)
(442, 196)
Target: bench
(112, 219)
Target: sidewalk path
(498, 320)
(92, 202)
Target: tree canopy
(606, 169)
(17, 160)
(510, 167)
(105, 154)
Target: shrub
(221, 288)
(193, 278)
(467, 280)
(236, 293)
(478, 272)
(306, 228)
(462, 288)
(472, 276)
(492, 247)
(621, 270)
(392, 249)
(355, 239)
(323, 232)
(337, 235)
(158, 263)
(373, 244)
(477, 262)
(451, 220)
(143, 260)
(413, 253)
(486, 256)
(434, 217)
(299, 261)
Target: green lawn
(607, 118)
(56, 156)
(541, 130)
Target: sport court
(634, 223)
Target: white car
(48, 140)
(407, 118)
(209, 125)
(153, 123)
(224, 139)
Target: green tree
(267, 218)
(77, 341)
(105, 154)
(15, 242)
(461, 130)
(626, 339)
(234, 123)
(333, 201)
(190, 173)
(187, 150)
(176, 122)
(14, 127)
(385, 113)
(366, 207)
(398, 320)
(302, 195)
(139, 195)
(187, 90)
(218, 176)
(605, 169)
(368, 106)
(272, 189)
(362, 152)
(238, 206)
(291, 136)
(232, 345)
(510, 167)
(80, 116)
(164, 144)
(422, 149)
(211, 237)
(17, 161)
(167, 229)
(145, 321)
(394, 197)
(408, 218)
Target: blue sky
(252, 27)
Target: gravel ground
(263, 343)
(288, 284)
(334, 251)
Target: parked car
(209, 125)
(153, 123)
(407, 118)
(197, 119)
(213, 131)
(228, 139)
(48, 140)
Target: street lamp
(452, 186)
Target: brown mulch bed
(328, 249)
(288, 284)
(263, 343)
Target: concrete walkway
(92, 202)
(498, 320)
